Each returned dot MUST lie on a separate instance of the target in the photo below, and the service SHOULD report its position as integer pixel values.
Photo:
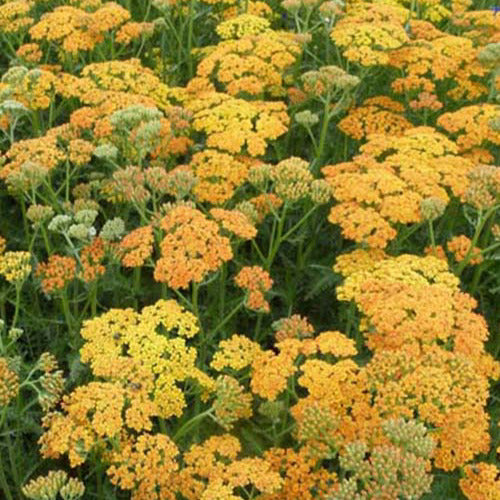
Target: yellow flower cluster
(368, 33)
(242, 26)
(15, 16)
(364, 265)
(128, 76)
(233, 125)
(140, 357)
(251, 65)
(9, 382)
(34, 88)
(15, 267)
(213, 471)
(218, 175)
(236, 353)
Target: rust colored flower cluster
(56, 273)
(191, 248)
(256, 281)
(137, 246)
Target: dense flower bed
(249, 249)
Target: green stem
(222, 289)
(3, 482)
(67, 314)
(431, 235)
(17, 306)
(226, 319)
(45, 239)
(190, 38)
(258, 327)
(276, 237)
(479, 228)
(296, 226)
(187, 426)
(323, 133)
(93, 299)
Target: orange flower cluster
(42, 151)
(386, 184)
(270, 371)
(470, 127)
(302, 478)
(92, 257)
(256, 281)
(445, 390)
(146, 465)
(481, 482)
(376, 115)
(481, 26)
(76, 30)
(427, 60)
(460, 247)
(56, 273)
(137, 246)
(429, 358)
(235, 222)
(265, 204)
(191, 248)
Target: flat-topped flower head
(191, 248)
